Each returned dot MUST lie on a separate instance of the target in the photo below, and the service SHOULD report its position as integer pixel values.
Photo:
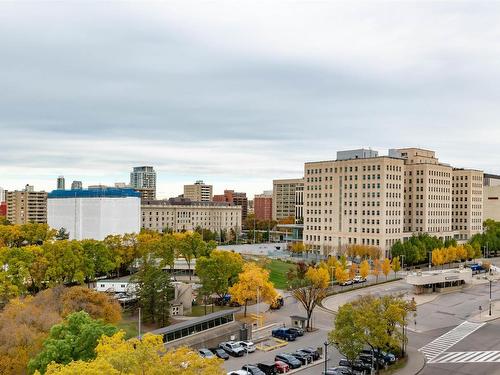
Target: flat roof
(108, 192)
(192, 322)
(355, 159)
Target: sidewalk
(415, 364)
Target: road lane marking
(444, 342)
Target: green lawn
(278, 270)
(200, 310)
(130, 328)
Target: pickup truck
(284, 334)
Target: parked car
(297, 331)
(281, 367)
(357, 365)
(221, 353)
(253, 370)
(284, 334)
(238, 372)
(358, 279)
(205, 353)
(387, 357)
(290, 360)
(304, 358)
(247, 345)
(347, 282)
(268, 368)
(311, 351)
(339, 370)
(232, 348)
(371, 359)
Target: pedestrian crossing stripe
(468, 357)
(449, 339)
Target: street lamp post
(490, 280)
(430, 258)
(402, 262)
(326, 354)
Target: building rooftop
(101, 192)
(192, 322)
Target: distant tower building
(143, 180)
(26, 206)
(76, 185)
(263, 205)
(198, 192)
(2, 195)
(60, 183)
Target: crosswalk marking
(468, 357)
(450, 338)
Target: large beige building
(363, 198)
(491, 199)
(26, 206)
(184, 216)
(467, 204)
(353, 200)
(198, 192)
(284, 195)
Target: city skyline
(240, 95)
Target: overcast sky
(240, 93)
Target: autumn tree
(253, 282)
(364, 269)
(115, 356)
(74, 339)
(311, 290)
(395, 265)
(297, 247)
(341, 274)
(191, 246)
(376, 269)
(386, 267)
(353, 270)
(25, 322)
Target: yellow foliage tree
(395, 265)
(115, 355)
(353, 270)
(461, 253)
(386, 267)
(298, 247)
(364, 269)
(341, 274)
(253, 282)
(310, 290)
(376, 269)
(438, 257)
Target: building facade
(162, 215)
(94, 213)
(284, 197)
(235, 198)
(491, 202)
(143, 180)
(363, 198)
(198, 192)
(26, 206)
(263, 206)
(61, 183)
(467, 202)
(76, 185)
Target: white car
(238, 372)
(247, 345)
(358, 279)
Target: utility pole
(430, 258)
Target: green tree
(346, 335)
(154, 291)
(219, 271)
(191, 246)
(74, 339)
(62, 234)
(99, 260)
(66, 262)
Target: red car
(281, 367)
